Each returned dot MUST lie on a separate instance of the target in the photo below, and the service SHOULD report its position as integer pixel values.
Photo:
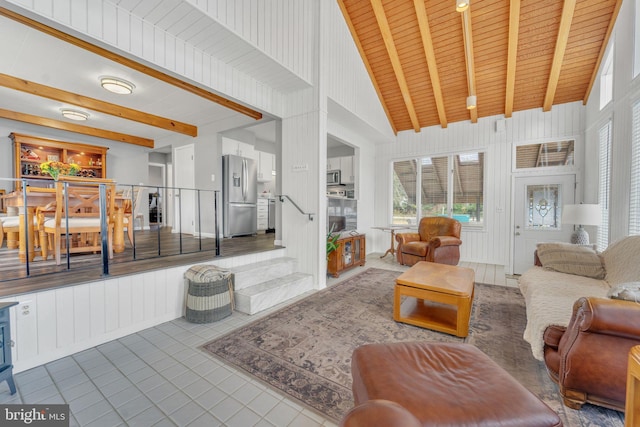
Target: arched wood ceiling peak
(532, 60)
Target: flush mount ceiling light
(115, 85)
(471, 102)
(462, 5)
(74, 114)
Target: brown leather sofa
(437, 240)
(588, 359)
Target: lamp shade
(581, 214)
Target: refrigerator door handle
(245, 179)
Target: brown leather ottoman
(444, 384)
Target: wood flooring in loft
(155, 249)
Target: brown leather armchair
(588, 359)
(437, 240)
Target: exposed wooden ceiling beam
(385, 30)
(96, 105)
(558, 56)
(85, 130)
(514, 27)
(427, 42)
(367, 65)
(469, 61)
(132, 64)
(603, 48)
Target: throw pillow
(629, 291)
(571, 259)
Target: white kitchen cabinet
(265, 166)
(263, 214)
(237, 148)
(347, 175)
(333, 163)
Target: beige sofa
(550, 294)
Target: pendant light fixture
(471, 102)
(116, 85)
(74, 114)
(462, 5)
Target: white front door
(184, 194)
(538, 215)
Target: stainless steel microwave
(333, 177)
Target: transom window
(546, 154)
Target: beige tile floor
(159, 377)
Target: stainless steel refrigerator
(239, 196)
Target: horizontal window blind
(634, 199)
(604, 184)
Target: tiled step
(252, 274)
(252, 299)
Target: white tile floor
(159, 377)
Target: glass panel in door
(544, 203)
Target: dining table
(43, 196)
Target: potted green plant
(332, 240)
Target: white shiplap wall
(282, 29)
(626, 91)
(303, 145)
(348, 82)
(108, 23)
(52, 324)
(491, 244)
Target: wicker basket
(209, 295)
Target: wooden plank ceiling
(525, 54)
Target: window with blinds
(604, 184)
(634, 199)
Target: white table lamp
(582, 214)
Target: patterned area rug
(305, 349)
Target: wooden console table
(350, 253)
